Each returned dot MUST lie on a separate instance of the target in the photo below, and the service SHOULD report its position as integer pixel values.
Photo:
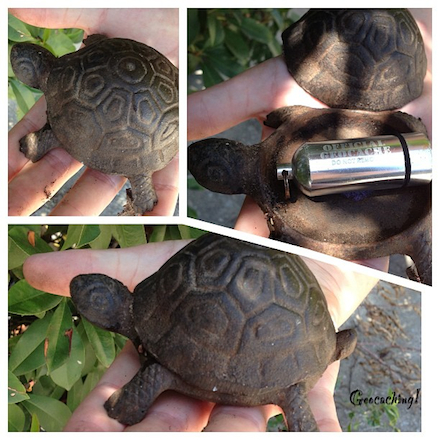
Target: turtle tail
(345, 344)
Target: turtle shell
(228, 315)
(371, 59)
(114, 105)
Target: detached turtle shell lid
(368, 59)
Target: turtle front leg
(297, 412)
(129, 404)
(35, 145)
(142, 196)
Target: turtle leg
(35, 145)
(142, 196)
(130, 403)
(297, 412)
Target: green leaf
(210, 74)
(193, 184)
(274, 47)
(193, 25)
(29, 343)
(237, 45)
(70, 372)
(79, 236)
(16, 390)
(192, 213)
(58, 337)
(33, 361)
(20, 247)
(35, 424)
(129, 235)
(17, 30)
(45, 386)
(25, 96)
(92, 380)
(158, 234)
(222, 61)
(60, 44)
(102, 342)
(256, 31)
(75, 395)
(51, 413)
(90, 356)
(102, 241)
(215, 30)
(24, 300)
(16, 419)
(193, 62)
(76, 35)
(187, 233)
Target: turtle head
(221, 165)
(32, 64)
(105, 302)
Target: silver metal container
(379, 162)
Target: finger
(91, 414)
(344, 289)
(322, 402)
(166, 184)
(34, 119)
(240, 419)
(251, 219)
(52, 272)
(173, 412)
(38, 182)
(90, 194)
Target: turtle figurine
(223, 321)
(352, 226)
(112, 105)
(388, 45)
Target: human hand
(32, 184)
(344, 291)
(266, 87)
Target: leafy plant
(375, 416)
(55, 357)
(225, 42)
(58, 41)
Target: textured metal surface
(370, 59)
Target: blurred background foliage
(55, 358)
(58, 41)
(224, 42)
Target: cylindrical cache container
(379, 162)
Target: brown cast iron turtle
(112, 105)
(380, 223)
(380, 63)
(223, 321)
(367, 59)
